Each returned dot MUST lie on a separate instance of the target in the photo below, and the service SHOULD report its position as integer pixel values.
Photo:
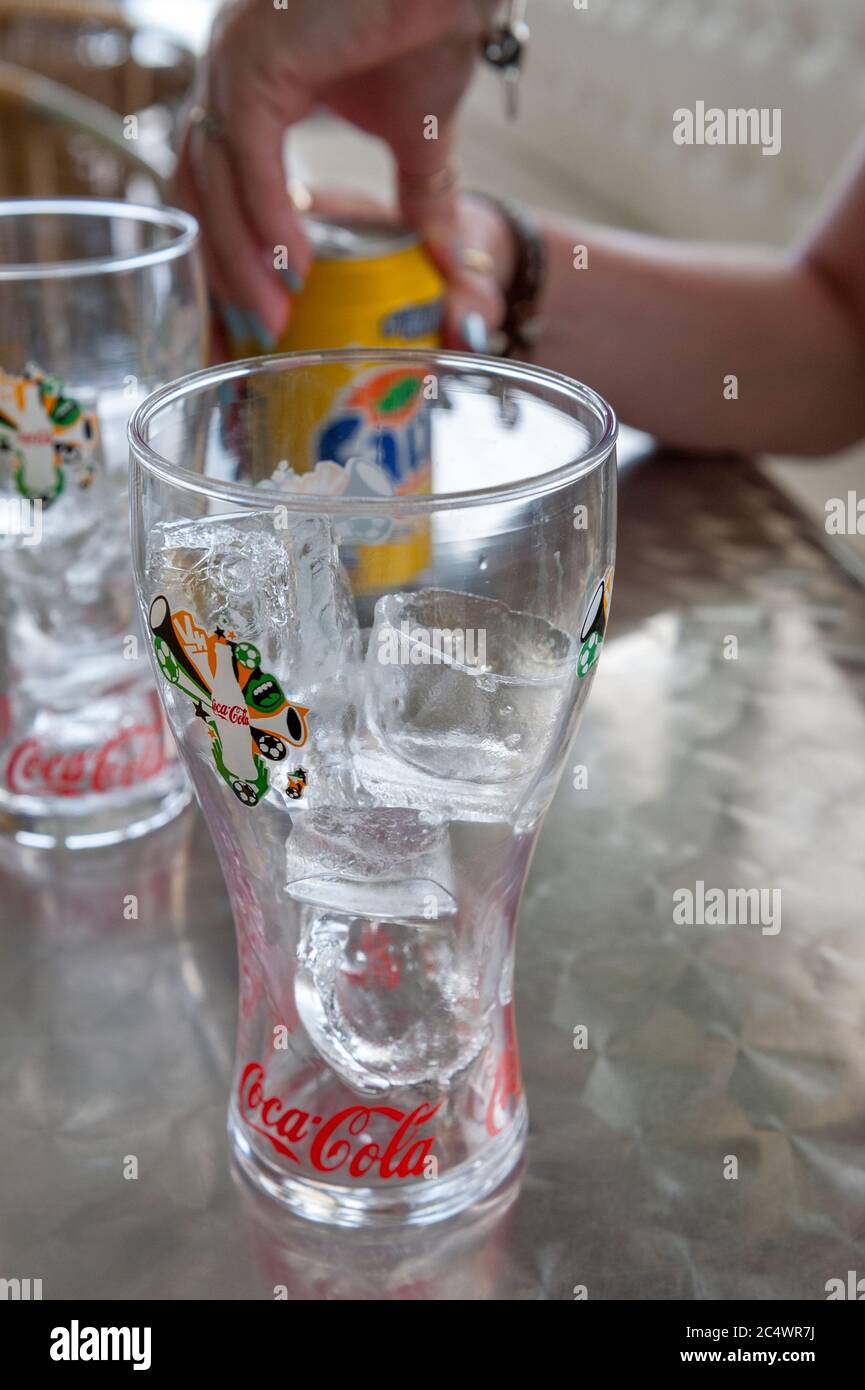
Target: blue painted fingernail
(235, 321)
(260, 332)
(474, 331)
(293, 279)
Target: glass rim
(262, 497)
(169, 218)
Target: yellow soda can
(372, 284)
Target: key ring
(504, 48)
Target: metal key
(505, 49)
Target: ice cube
(232, 571)
(388, 1004)
(380, 862)
(466, 689)
(272, 578)
(329, 637)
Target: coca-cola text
(235, 714)
(328, 1140)
(129, 757)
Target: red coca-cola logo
(328, 1140)
(507, 1086)
(235, 714)
(132, 756)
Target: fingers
(475, 305)
(255, 149)
(428, 200)
(220, 348)
(254, 230)
(185, 195)
(427, 192)
(334, 202)
(474, 309)
(233, 180)
(243, 267)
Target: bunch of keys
(505, 47)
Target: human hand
(385, 65)
(478, 271)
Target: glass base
(420, 1204)
(39, 828)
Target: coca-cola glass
(100, 303)
(377, 589)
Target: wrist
(518, 249)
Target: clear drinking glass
(377, 584)
(100, 303)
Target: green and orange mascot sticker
(250, 720)
(43, 432)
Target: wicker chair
(90, 47)
(55, 142)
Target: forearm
(706, 346)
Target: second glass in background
(100, 303)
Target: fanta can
(363, 430)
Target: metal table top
(705, 1043)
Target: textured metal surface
(704, 1042)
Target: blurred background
(592, 137)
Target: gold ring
(474, 259)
